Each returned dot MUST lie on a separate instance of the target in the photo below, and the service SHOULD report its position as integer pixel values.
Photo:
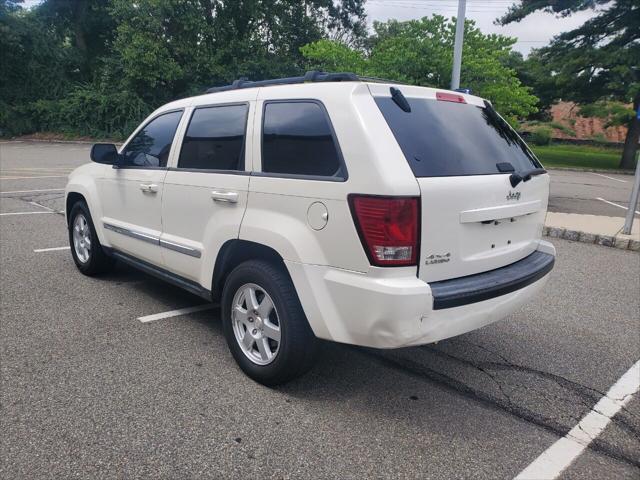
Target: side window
(297, 139)
(215, 139)
(151, 145)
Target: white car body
(179, 221)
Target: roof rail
(311, 76)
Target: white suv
(322, 207)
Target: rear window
(297, 140)
(441, 138)
(215, 139)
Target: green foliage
(82, 111)
(563, 128)
(596, 62)
(333, 56)
(34, 64)
(419, 52)
(599, 137)
(97, 67)
(168, 48)
(536, 124)
(541, 136)
(578, 156)
(615, 113)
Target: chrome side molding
(133, 234)
(176, 247)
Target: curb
(604, 240)
(594, 170)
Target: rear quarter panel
(277, 212)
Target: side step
(162, 274)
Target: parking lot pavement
(89, 390)
(590, 193)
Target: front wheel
(264, 324)
(86, 250)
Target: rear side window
(297, 140)
(441, 138)
(151, 145)
(215, 139)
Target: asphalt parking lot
(89, 390)
(591, 193)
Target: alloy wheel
(81, 238)
(256, 324)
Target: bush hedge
(83, 112)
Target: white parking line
(29, 169)
(34, 191)
(606, 176)
(54, 249)
(175, 313)
(23, 178)
(24, 213)
(561, 454)
(39, 174)
(615, 204)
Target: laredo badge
(432, 259)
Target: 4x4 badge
(513, 195)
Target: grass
(578, 156)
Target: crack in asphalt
(422, 372)
(577, 387)
(30, 199)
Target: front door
(132, 191)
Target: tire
(92, 260)
(296, 350)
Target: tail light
(388, 228)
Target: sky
(534, 31)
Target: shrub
(84, 111)
(563, 128)
(541, 136)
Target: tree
(97, 67)
(84, 26)
(595, 63)
(419, 52)
(168, 48)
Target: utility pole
(633, 201)
(457, 48)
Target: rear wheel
(86, 250)
(264, 324)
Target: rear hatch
(462, 153)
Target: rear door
(458, 148)
(205, 193)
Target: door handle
(228, 197)
(149, 187)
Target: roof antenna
(399, 99)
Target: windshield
(441, 138)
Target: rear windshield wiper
(516, 177)
(399, 99)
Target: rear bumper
(401, 310)
(483, 286)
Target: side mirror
(106, 153)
